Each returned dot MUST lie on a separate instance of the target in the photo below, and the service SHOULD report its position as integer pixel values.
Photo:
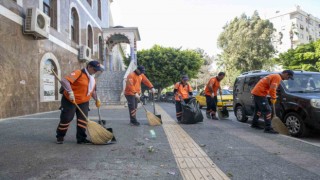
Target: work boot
(214, 117)
(208, 115)
(85, 141)
(256, 126)
(136, 123)
(59, 140)
(270, 131)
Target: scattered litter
(147, 139)
(230, 147)
(229, 174)
(202, 145)
(172, 172)
(150, 149)
(139, 144)
(157, 174)
(161, 165)
(153, 134)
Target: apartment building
(39, 35)
(294, 27)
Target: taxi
(227, 99)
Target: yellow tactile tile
(192, 161)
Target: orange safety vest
(133, 83)
(215, 84)
(182, 90)
(79, 85)
(267, 85)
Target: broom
(97, 133)
(277, 124)
(152, 119)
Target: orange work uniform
(79, 84)
(215, 84)
(267, 85)
(183, 91)
(133, 84)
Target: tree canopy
(303, 57)
(165, 65)
(246, 44)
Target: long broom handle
(154, 106)
(55, 75)
(274, 110)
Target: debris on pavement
(202, 145)
(150, 149)
(172, 172)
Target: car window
(226, 92)
(250, 82)
(303, 83)
(238, 85)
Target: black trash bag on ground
(191, 112)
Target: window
(50, 8)
(99, 9)
(90, 38)
(74, 25)
(100, 48)
(89, 2)
(250, 82)
(48, 81)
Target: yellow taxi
(227, 99)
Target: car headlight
(315, 103)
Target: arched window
(90, 38)
(74, 25)
(99, 9)
(50, 8)
(48, 81)
(89, 2)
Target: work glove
(273, 101)
(137, 96)
(98, 103)
(212, 95)
(71, 96)
(153, 90)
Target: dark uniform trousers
(178, 110)
(211, 105)
(68, 110)
(262, 108)
(132, 105)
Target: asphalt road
(28, 150)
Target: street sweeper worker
(267, 86)
(211, 95)
(182, 92)
(132, 91)
(79, 87)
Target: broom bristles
(153, 119)
(98, 134)
(279, 126)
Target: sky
(192, 24)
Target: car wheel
(240, 114)
(296, 126)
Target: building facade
(71, 35)
(294, 27)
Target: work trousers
(132, 105)
(68, 110)
(211, 105)
(179, 108)
(262, 108)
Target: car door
(249, 83)
(237, 91)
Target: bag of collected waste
(191, 112)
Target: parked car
(227, 99)
(298, 100)
(169, 97)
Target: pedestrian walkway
(192, 161)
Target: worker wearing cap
(132, 91)
(79, 87)
(182, 91)
(211, 95)
(267, 86)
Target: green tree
(165, 65)
(303, 57)
(246, 44)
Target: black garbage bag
(191, 112)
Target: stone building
(294, 27)
(39, 35)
